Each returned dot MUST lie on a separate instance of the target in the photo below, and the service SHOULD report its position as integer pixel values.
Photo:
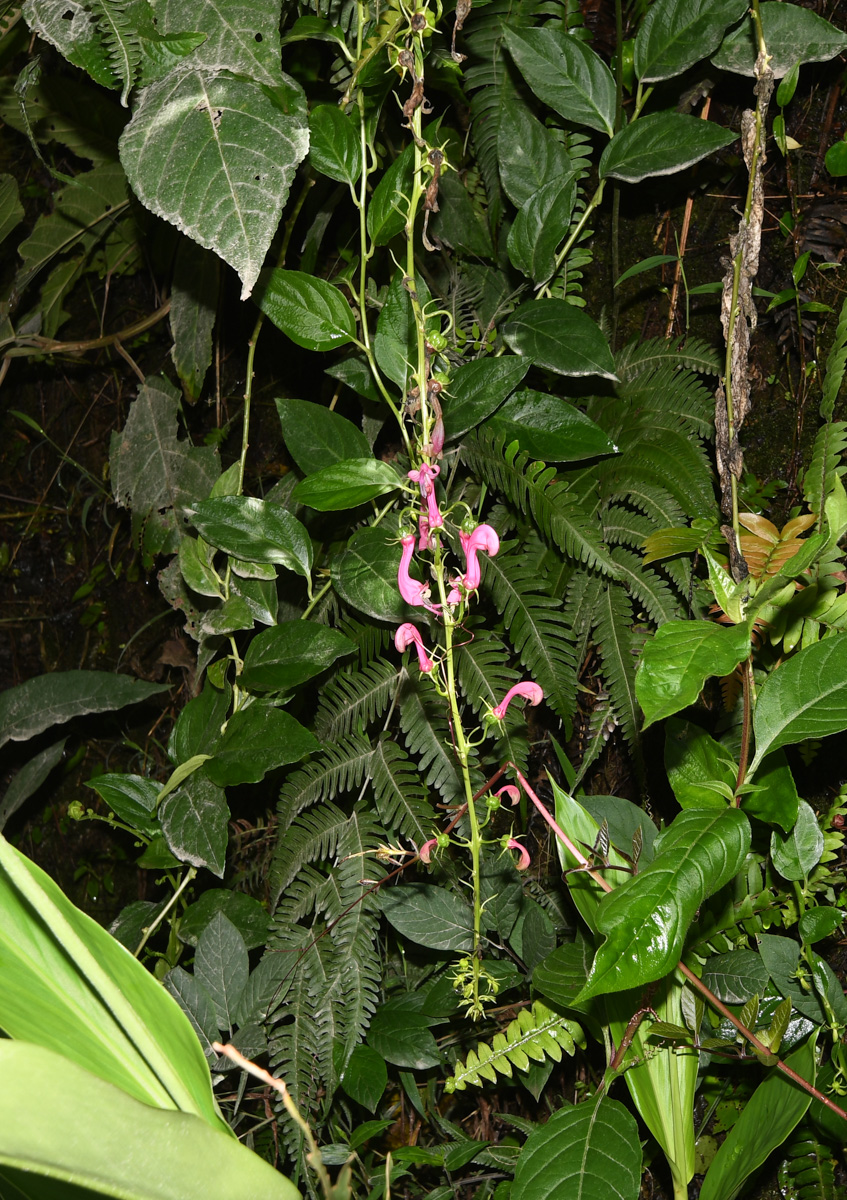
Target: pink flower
(427, 849)
(482, 538)
(413, 593)
(511, 792)
(424, 478)
(512, 844)
(532, 692)
(407, 635)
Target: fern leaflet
(120, 40)
(535, 1034)
(427, 737)
(401, 799)
(617, 645)
(350, 702)
(835, 365)
(338, 768)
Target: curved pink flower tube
(424, 479)
(511, 792)
(483, 538)
(407, 635)
(530, 690)
(413, 593)
(512, 844)
(426, 850)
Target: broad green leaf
(245, 913)
(586, 1150)
(258, 738)
(316, 436)
(241, 39)
(477, 389)
(68, 111)
(365, 576)
(221, 967)
(260, 596)
(772, 797)
(335, 147)
(237, 142)
(680, 658)
(355, 372)
(400, 1034)
(550, 428)
(660, 144)
(566, 74)
(796, 854)
(46, 700)
(195, 822)
(346, 484)
(529, 155)
(624, 820)
(457, 222)
(365, 1077)
(74, 34)
(197, 569)
(131, 797)
(396, 341)
(694, 759)
(194, 306)
(805, 697)
(312, 312)
(563, 974)
(70, 987)
(154, 473)
(818, 923)
(255, 530)
(582, 829)
(11, 209)
(389, 204)
(198, 726)
(267, 986)
(645, 920)
(781, 956)
(736, 976)
(281, 658)
(104, 1142)
(540, 227)
(197, 1005)
(228, 617)
(430, 916)
(561, 337)
(29, 778)
(769, 1116)
(673, 36)
(791, 34)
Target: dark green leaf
(365, 1077)
(316, 437)
(245, 913)
(396, 341)
(646, 919)
(805, 697)
(781, 956)
(791, 34)
(221, 967)
(365, 576)
(11, 209)
(281, 658)
(673, 37)
(796, 854)
(194, 305)
(563, 974)
(693, 760)
(46, 700)
(400, 1033)
(312, 312)
(818, 923)
(477, 389)
(561, 337)
(529, 155)
(680, 658)
(590, 1150)
(29, 778)
(660, 144)
(194, 821)
(430, 916)
(647, 264)
(346, 484)
(566, 74)
(356, 373)
(131, 797)
(389, 204)
(624, 820)
(550, 428)
(773, 796)
(198, 726)
(197, 569)
(334, 144)
(257, 739)
(539, 228)
(254, 530)
(735, 977)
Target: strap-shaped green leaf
(535, 1034)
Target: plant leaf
(572, 1155)
(194, 821)
(549, 428)
(346, 484)
(566, 74)
(312, 312)
(680, 658)
(257, 739)
(281, 658)
(254, 530)
(736, 976)
(792, 34)
(561, 337)
(796, 854)
(478, 388)
(430, 916)
(335, 147)
(673, 37)
(194, 304)
(316, 436)
(540, 226)
(660, 144)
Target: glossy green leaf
(104, 1142)
(365, 1077)
(529, 156)
(563, 974)
(46, 700)
(805, 697)
(624, 819)
(566, 74)
(791, 33)
(781, 956)
(197, 568)
(539, 227)
(255, 530)
(674, 36)
(661, 144)
(818, 923)
(334, 145)
(355, 372)
(796, 854)
(694, 759)
(400, 1034)
(736, 976)
(589, 1150)
(550, 428)
(396, 340)
(645, 920)
(772, 797)
(70, 987)
(346, 484)
(582, 829)
(258, 738)
(245, 913)
(131, 797)
(281, 658)
(195, 822)
(477, 389)
(316, 437)
(365, 575)
(680, 658)
(769, 1116)
(29, 778)
(561, 337)
(312, 312)
(198, 726)
(430, 916)
(389, 204)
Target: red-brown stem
(746, 685)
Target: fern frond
(667, 397)
(535, 629)
(638, 356)
(601, 725)
(427, 737)
(676, 463)
(120, 40)
(532, 487)
(835, 365)
(313, 836)
(401, 798)
(350, 702)
(338, 768)
(295, 1048)
(371, 639)
(617, 645)
(647, 586)
(622, 527)
(535, 1034)
(484, 678)
(808, 1170)
(825, 465)
(581, 601)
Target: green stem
(150, 929)
(577, 233)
